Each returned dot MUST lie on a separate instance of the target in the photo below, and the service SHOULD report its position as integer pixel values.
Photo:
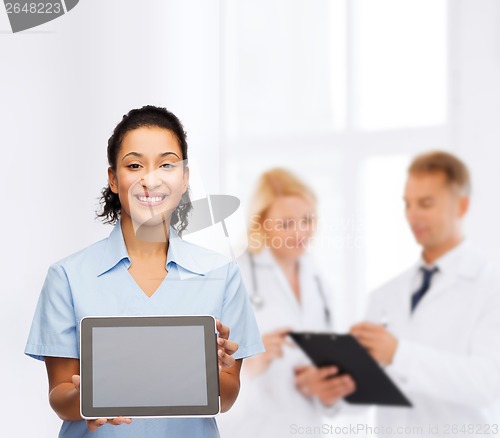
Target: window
(343, 93)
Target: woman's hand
(323, 383)
(96, 424)
(229, 367)
(226, 348)
(273, 343)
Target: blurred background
(341, 92)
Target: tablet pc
(373, 386)
(148, 366)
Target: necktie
(426, 283)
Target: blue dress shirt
(95, 282)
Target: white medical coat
(269, 405)
(448, 357)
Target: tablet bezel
(88, 411)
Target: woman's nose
(151, 180)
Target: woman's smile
(150, 199)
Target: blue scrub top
(96, 282)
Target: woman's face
(289, 225)
(150, 178)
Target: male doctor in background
(437, 326)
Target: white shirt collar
(463, 260)
(447, 261)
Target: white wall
(475, 112)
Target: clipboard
(344, 351)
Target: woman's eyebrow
(164, 154)
(137, 154)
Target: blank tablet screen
(149, 366)
(126, 368)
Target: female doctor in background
(280, 388)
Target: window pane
(386, 231)
(284, 66)
(399, 63)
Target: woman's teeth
(150, 199)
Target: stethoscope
(257, 299)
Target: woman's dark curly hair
(147, 116)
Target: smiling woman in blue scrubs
(142, 268)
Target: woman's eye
(134, 166)
(168, 166)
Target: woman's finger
(274, 351)
(230, 347)
(338, 386)
(119, 420)
(305, 376)
(225, 360)
(93, 425)
(222, 329)
(76, 381)
(327, 372)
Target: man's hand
(379, 342)
(323, 383)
